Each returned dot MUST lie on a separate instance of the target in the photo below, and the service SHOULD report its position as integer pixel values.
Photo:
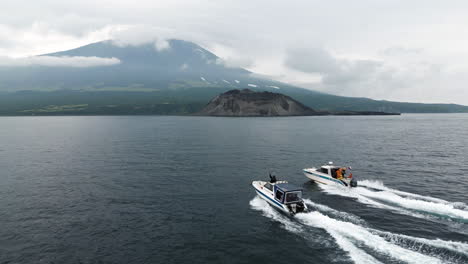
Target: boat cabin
(330, 170)
(285, 193)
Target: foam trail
(352, 233)
(338, 214)
(356, 254)
(392, 201)
(378, 185)
(440, 209)
(365, 200)
(359, 234)
(259, 204)
(454, 246)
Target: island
(245, 103)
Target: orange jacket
(339, 173)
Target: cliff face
(249, 103)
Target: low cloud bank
(139, 35)
(334, 71)
(53, 61)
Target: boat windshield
(292, 197)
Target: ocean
(173, 189)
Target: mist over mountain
(181, 64)
(178, 77)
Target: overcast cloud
(395, 50)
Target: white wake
(354, 237)
(455, 246)
(356, 254)
(410, 241)
(362, 236)
(259, 204)
(378, 195)
(344, 216)
(378, 185)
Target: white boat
(331, 174)
(281, 195)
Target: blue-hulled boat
(281, 195)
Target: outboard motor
(296, 208)
(300, 207)
(353, 182)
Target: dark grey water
(177, 189)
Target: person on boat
(339, 174)
(272, 178)
(350, 173)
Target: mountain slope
(182, 65)
(151, 79)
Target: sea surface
(166, 189)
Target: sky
(412, 51)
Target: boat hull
(269, 197)
(273, 203)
